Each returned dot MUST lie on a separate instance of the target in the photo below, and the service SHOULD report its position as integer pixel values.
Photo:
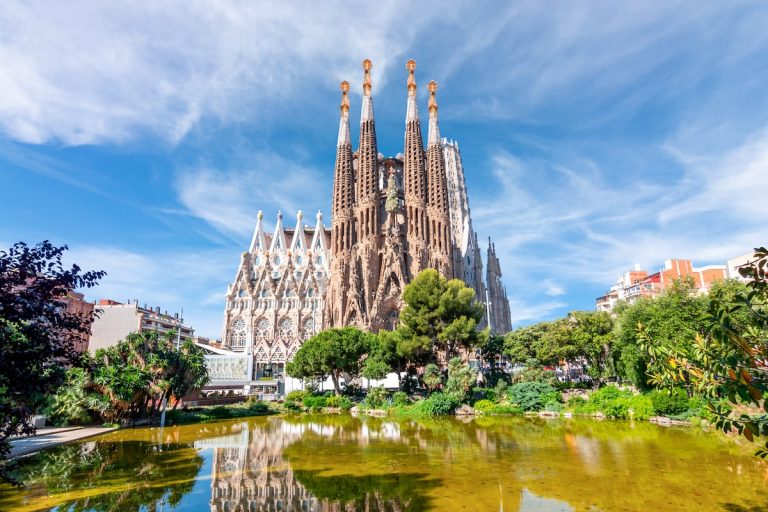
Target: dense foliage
(532, 396)
(37, 334)
(131, 380)
(332, 352)
(726, 361)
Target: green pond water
(344, 463)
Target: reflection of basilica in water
(250, 472)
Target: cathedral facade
(392, 217)
(276, 300)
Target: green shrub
(460, 379)
(255, 406)
(529, 396)
(314, 403)
(575, 402)
(399, 398)
(669, 402)
(501, 390)
(376, 398)
(438, 404)
(642, 407)
(617, 408)
(69, 406)
(505, 409)
(697, 406)
(484, 405)
(342, 402)
(296, 398)
(607, 394)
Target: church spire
(366, 113)
(368, 163)
(259, 240)
(438, 211)
(344, 118)
(412, 111)
(343, 181)
(414, 176)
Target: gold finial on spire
(367, 65)
(344, 96)
(432, 88)
(411, 67)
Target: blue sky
(595, 135)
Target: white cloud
(523, 310)
(733, 184)
(102, 73)
(94, 72)
(553, 289)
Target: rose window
(262, 328)
(286, 329)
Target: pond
(345, 463)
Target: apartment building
(116, 320)
(638, 283)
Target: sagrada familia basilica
(391, 218)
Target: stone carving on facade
(227, 368)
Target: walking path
(48, 438)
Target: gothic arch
(237, 333)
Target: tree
(491, 352)
(432, 377)
(728, 360)
(461, 378)
(592, 336)
(674, 318)
(331, 352)
(630, 361)
(37, 335)
(134, 378)
(439, 316)
(533, 344)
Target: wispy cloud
(574, 227)
(97, 73)
(229, 199)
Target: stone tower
(438, 214)
(497, 306)
(344, 233)
(414, 180)
(394, 217)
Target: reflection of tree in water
(127, 475)
(379, 493)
